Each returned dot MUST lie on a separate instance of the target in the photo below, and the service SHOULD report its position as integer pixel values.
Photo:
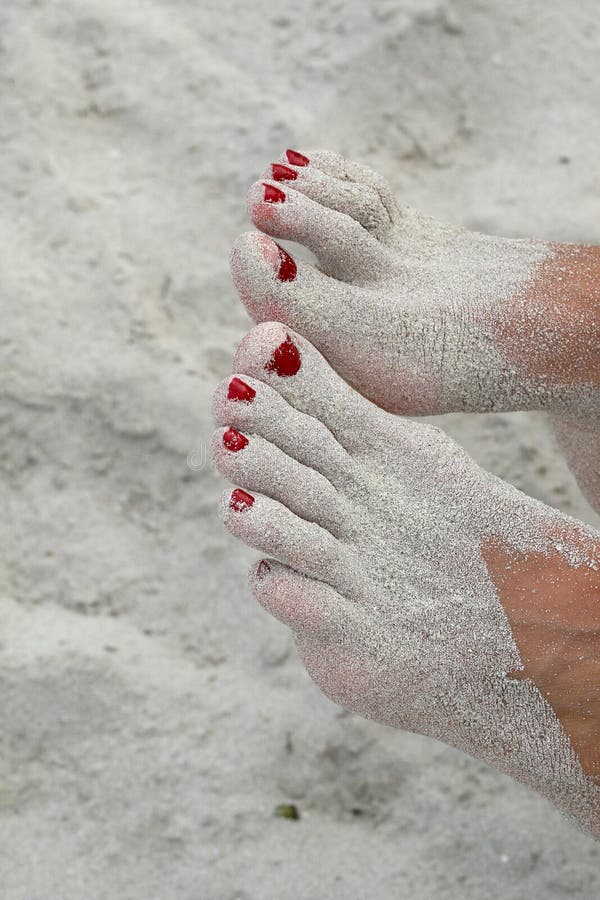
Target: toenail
(296, 159)
(240, 500)
(233, 440)
(262, 568)
(273, 194)
(287, 267)
(283, 173)
(285, 360)
(239, 390)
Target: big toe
(273, 285)
(290, 364)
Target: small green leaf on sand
(286, 811)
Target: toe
(343, 247)
(260, 466)
(347, 170)
(357, 199)
(291, 365)
(249, 405)
(305, 605)
(270, 527)
(275, 286)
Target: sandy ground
(151, 716)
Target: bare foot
(423, 592)
(423, 317)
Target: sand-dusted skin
(423, 592)
(423, 317)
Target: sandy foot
(392, 550)
(423, 317)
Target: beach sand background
(151, 716)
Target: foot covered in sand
(422, 592)
(419, 316)
(423, 317)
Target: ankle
(552, 332)
(553, 609)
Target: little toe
(347, 170)
(343, 247)
(332, 635)
(291, 365)
(357, 199)
(270, 527)
(303, 604)
(253, 407)
(260, 466)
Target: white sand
(152, 716)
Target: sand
(152, 716)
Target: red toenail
(234, 441)
(296, 159)
(283, 173)
(287, 266)
(240, 500)
(273, 194)
(239, 390)
(262, 568)
(285, 360)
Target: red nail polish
(285, 360)
(263, 568)
(283, 173)
(296, 159)
(234, 441)
(287, 266)
(240, 500)
(239, 390)
(273, 194)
